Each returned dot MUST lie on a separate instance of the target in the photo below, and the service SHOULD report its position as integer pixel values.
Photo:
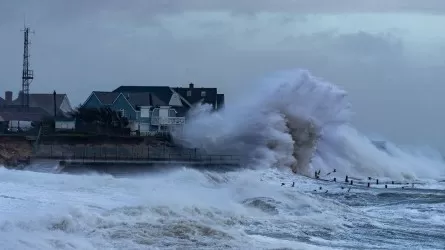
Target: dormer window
(203, 93)
(189, 93)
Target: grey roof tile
(210, 96)
(18, 113)
(162, 92)
(44, 101)
(136, 99)
(106, 98)
(143, 99)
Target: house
(180, 96)
(155, 108)
(202, 95)
(17, 118)
(64, 123)
(145, 111)
(62, 105)
(44, 106)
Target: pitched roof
(162, 92)
(143, 99)
(165, 93)
(106, 98)
(44, 101)
(2, 101)
(18, 113)
(210, 96)
(136, 99)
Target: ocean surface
(190, 209)
(295, 125)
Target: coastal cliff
(14, 150)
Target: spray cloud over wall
(298, 121)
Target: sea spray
(297, 121)
(277, 125)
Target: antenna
(27, 74)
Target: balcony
(167, 120)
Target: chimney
(191, 85)
(8, 97)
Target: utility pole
(27, 74)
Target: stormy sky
(388, 54)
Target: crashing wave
(278, 125)
(295, 120)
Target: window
(163, 112)
(145, 112)
(203, 93)
(189, 93)
(155, 112)
(122, 112)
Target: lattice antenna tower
(27, 73)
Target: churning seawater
(190, 209)
(293, 121)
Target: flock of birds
(350, 182)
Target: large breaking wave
(297, 121)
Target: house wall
(163, 111)
(145, 127)
(65, 125)
(92, 102)
(122, 103)
(65, 106)
(24, 125)
(145, 112)
(133, 125)
(220, 101)
(175, 100)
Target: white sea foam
(184, 208)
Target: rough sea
(294, 122)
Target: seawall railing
(132, 154)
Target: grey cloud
(300, 6)
(143, 10)
(365, 44)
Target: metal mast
(27, 74)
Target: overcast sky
(388, 54)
